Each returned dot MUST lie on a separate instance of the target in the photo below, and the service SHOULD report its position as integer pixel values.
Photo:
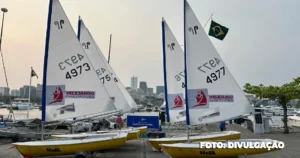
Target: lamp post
(11, 113)
(4, 10)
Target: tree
(283, 93)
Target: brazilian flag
(218, 31)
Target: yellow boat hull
(155, 142)
(193, 153)
(143, 130)
(70, 149)
(177, 151)
(133, 135)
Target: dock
(141, 149)
(24, 133)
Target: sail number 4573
(214, 76)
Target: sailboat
(209, 86)
(107, 78)
(174, 88)
(132, 104)
(71, 88)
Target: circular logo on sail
(55, 115)
(200, 119)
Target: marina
(82, 108)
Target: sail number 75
(101, 73)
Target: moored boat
(226, 135)
(71, 89)
(131, 134)
(192, 150)
(69, 146)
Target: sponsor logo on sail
(178, 102)
(198, 98)
(80, 94)
(58, 96)
(201, 99)
(55, 95)
(221, 98)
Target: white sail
(174, 74)
(102, 70)
(70, 86)
(213, 94)
(127, 96)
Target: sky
(260, 47)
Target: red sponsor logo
(58, 96)
(178, 102)
(80, 94)
(201, 99)
(221, 98)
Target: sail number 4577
(207, 66)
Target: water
(22, 114)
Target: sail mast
(165, 73)
(185, 76)
(45, 68)
(109, 48)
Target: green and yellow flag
(218, 31)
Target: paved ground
(291, 150)
(140, 149)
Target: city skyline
(19, 92)
(136, 43)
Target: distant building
(134, 82)
(143, 86)
(4, 91)
(15, 93)
(160, 89)
(39, 88)
(25, 91)
(22, 92)
(149, 90)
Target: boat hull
(195, 152)
(228, 135)
(68, 149)
(143, 130)
(83, 135)
(131, 134)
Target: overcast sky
(261, 45)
